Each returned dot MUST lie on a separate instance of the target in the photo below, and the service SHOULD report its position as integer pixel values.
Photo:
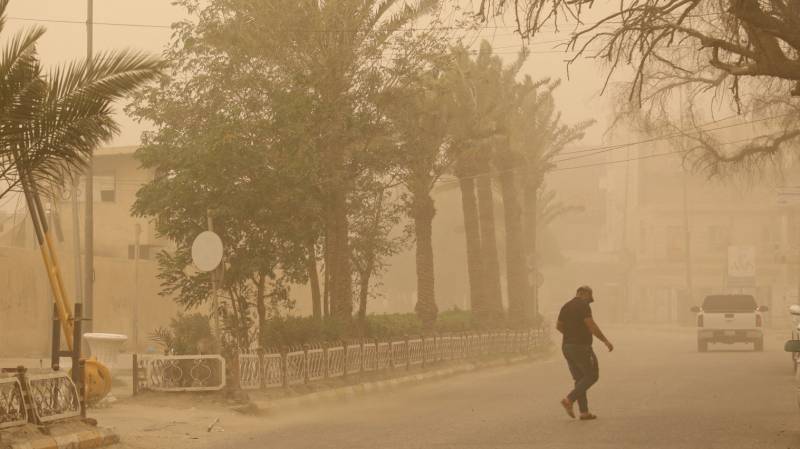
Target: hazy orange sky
(66, 41)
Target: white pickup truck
(729, 319)
(794, 314)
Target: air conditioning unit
(108, 196)
(146, 252)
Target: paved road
(655, 391)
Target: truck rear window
(729, 303)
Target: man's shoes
(587, 417)
(567, 404)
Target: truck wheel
(702, 346)
(758, 345)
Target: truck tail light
(700, 320)
(759, 321)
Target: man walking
(576, 324)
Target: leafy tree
(215, 154)
(375, 217)
(340, 67)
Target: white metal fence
(274, 369)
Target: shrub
(187, 334)
(454, 320)
(293, 330)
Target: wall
(26, 301)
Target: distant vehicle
(730, 319)
(793, 347)
(794, 312)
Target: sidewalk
(184, 420)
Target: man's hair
(584, 289)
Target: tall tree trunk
(326, 293)
(469, 205)
(363, 295)
(341, 301)
(313, 279)
(516, 267)
(532, 227)
(494, 293)
(424, 212)
(261, 310)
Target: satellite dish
(207, 251)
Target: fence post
(55, 357)
(362, 355)
(325, 360)
(408, 354)
(305, 363)
(135, 373)
(377, 355)
(82, 387)
(284, 369)
(262, 373)
(346, 357)
(424, 351)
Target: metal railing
(13, 411)
(39, 399)
(188, 372)
(308, 364)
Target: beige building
(740, 239)
(125, 286)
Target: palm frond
(51, 124)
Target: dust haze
(399, 224)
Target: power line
(696, 130)
(596, 164)
(82, 22)
(620, 161)
(649, 156)
(312, 30)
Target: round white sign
(207, 251)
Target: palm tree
(50, 123)
(508, 163)
(537, 138)
(479, 106)
(49, 126)
(419, 115)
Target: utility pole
(687, 237)
(687, 232)
(626, 253)
(76, 242)
(135, 303)
(797, 301)
(214, 286)
(88, 300)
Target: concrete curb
(363, 389)
(87, 439)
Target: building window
(104, 189)
(146, 252)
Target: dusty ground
(655, 392)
